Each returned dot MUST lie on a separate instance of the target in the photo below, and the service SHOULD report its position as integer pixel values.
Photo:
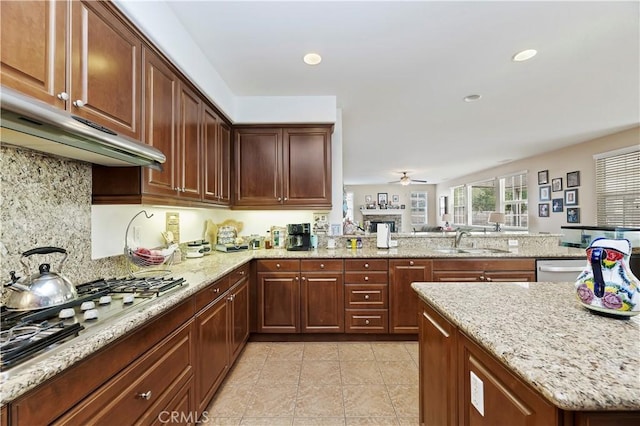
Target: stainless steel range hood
(33, 124)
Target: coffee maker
(298, 237)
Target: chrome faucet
(459, 235)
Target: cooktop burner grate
(143, 287)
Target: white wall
(574, 158)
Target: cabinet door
(239, 332)
(438, 369)
(258, 167)
(322, 302)
(278, 302)
(307, 166)
(213, 360)
(33, 48)
(224, 164)
(190, 165)
(160, 102)
(403, 300)
(210, 154)
(506, 399)
(105, 69)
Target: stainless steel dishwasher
(559, 270)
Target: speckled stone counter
(577, 360)
(199, 273)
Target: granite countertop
(199, 273)
(576, 359)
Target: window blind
(618, 190)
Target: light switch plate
(477, 393)
(513, 243)
(172, 224)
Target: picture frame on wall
(573, 179)
(556, 184)
(570, 197)
(545, 193)
(557, 205)
(383, 198)
(543, 210)
(543, 177)
(368, 199)
(573, 215)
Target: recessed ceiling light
(472, 98)
(524, 55)
(312, 59)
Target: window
(507, 194)
(418, 208)
(347, 207)
(618, 188)
(483, 201)
(514, 190)
(459, 205)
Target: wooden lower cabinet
(278, 288)
(449, 358)
(238, 301)
(403, 301)
(366, 296)
(321, 296)
(474, 270)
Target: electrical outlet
(136, 235)
(477, 393)
(513, 243)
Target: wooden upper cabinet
(99, 79)
(189, 164)
(33, 48)
(105, 69)
(279, 167)
(216, 157)
(160, 101)
(307, 166)
(258, 167)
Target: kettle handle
(44, 250)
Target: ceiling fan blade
(395, 181)
(418, 180)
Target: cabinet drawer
(238, 274)
(211, 292)
(278, 265)
(374, 296)
(321, 265)
(366, 264)
(374, 277)
(143, 389)
(367, 321)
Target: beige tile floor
(302, 383)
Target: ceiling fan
(406, 180)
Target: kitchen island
(498, 353)
(201, 274)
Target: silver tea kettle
(43, 289)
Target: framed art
(556, 184)
(395, 198)
(571, 197)
(573, 215)
(557, 205)
(543, 177)
(543, 210)
(368, 199)
(573, 179)
(382, 198)
(545, 193)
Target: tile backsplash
(46, 201)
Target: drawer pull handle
(63, 96)
(241, 272)
(366, 297)
(216, 290)
(78, 103)
(411, 263)
(146, 395)
(304, 278)
(481, 277)
(366, 278)
(366, 265)
(366, 322)
(277, 265)
(322, 266)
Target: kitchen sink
(470, 250)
